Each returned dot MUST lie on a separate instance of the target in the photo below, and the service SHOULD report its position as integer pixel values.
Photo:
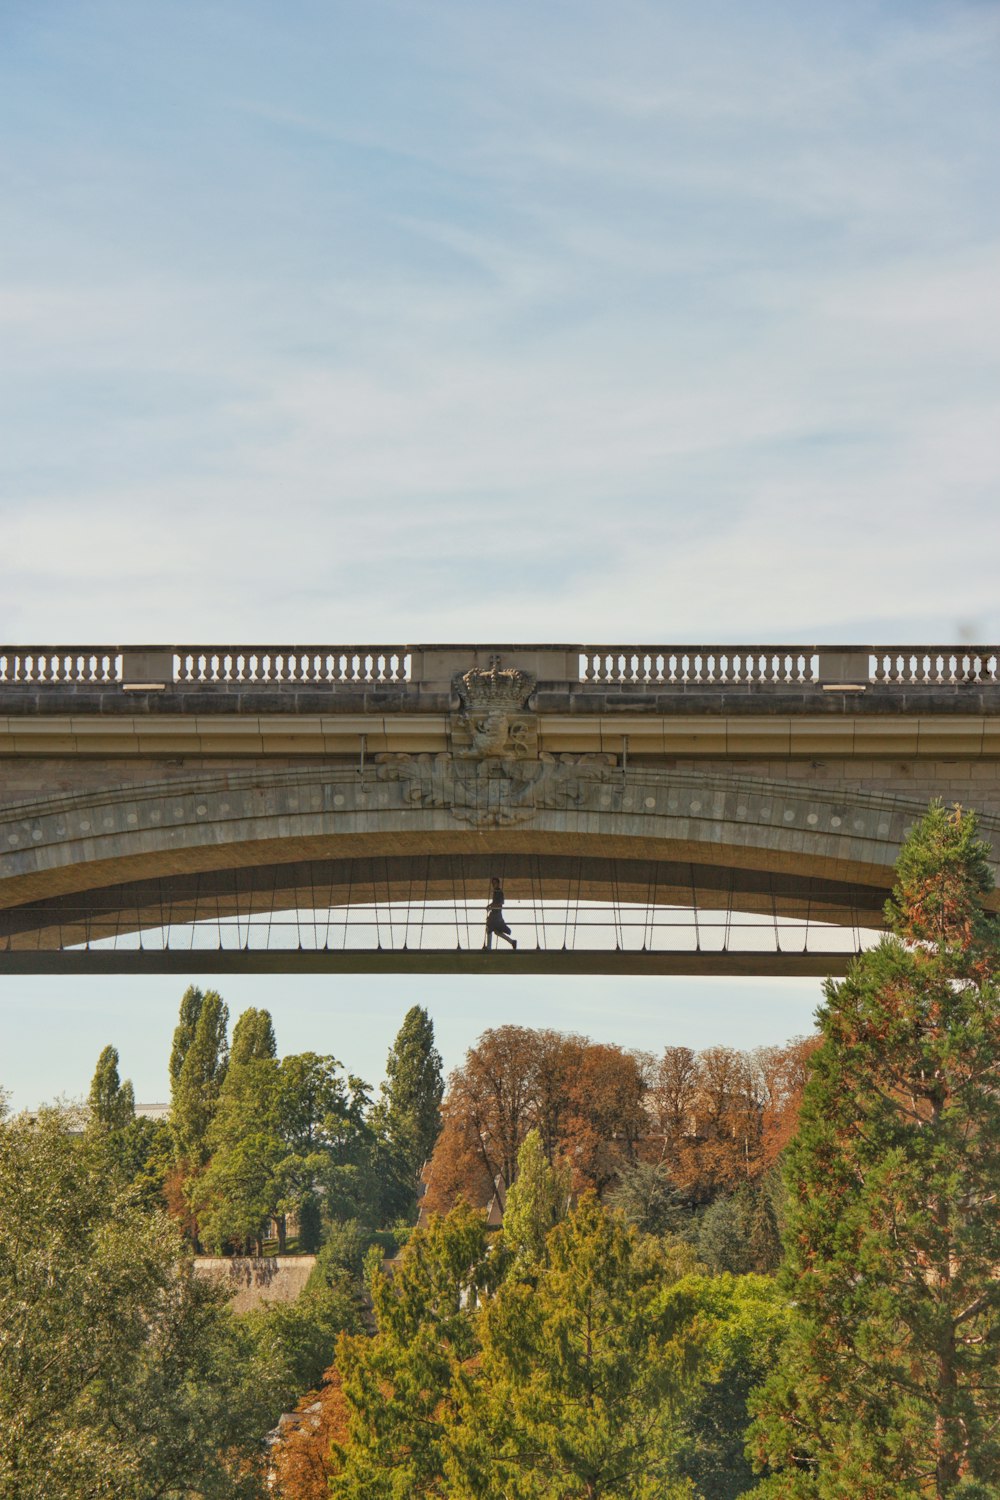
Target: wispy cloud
(527, 324)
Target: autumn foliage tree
(709, 1123)
(889, 1385)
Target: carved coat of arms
(493, 701)
(495, 793)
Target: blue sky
(385, 321)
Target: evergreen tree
(199, 1082)
(582, 1373)
(646, 1195)
(112, 1103)
(400, 1385)
(889, 1385)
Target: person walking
(495, 924)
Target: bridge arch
(75, 869)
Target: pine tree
(582, 1373)
(400, 1385)
(112, 1103)
(889, 1385)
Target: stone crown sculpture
(491, 697)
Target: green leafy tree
(889, 1384)
(582, 1374)
(283, 1133)
(122, 1375)
(746, 1319)
(408, 1116)
(400, 1385)
(536, 1202)
(190, 1009)
(111, 1102)
(199, 1081)
(253, 1037)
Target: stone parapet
(112, 700)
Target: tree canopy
(889, 1386)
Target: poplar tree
(413, 1089)
(889, 1385)
(253, 1037)
(407, 1119)
(112, 1103)
(191, 1003)
(200, 1079)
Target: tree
(537, 1200)
(111, 1102)
(577, 1388)
(400, 1384)
(191, 1003)
(121, 1373)
(746, 1319)
(253, 1037)
(199, 1081)
(408, 1116)
(301, 1456)
(645, 1194)
(282, 1132)
(889, 1387)
(608, 1115)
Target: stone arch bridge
(265, 799)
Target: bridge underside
(411, 913)
(605, 870)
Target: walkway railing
(608, 666)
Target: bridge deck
(502, 963)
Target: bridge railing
(696, 665)
(32, 666)
(934, 665)
(292, 664)
(608, 666)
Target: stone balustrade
(631, 667)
